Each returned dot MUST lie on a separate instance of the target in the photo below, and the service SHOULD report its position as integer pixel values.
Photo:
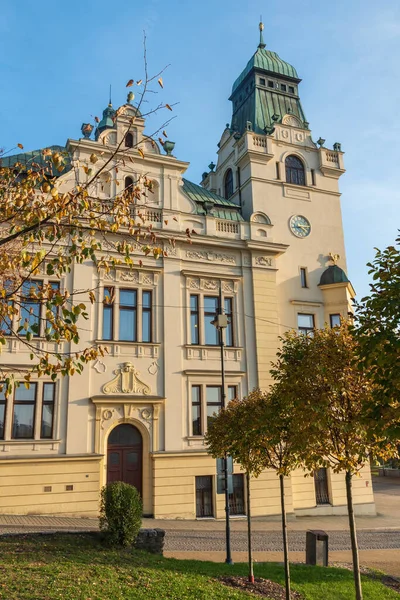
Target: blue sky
(57, 61)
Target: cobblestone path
(204, 541)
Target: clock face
(299, 226)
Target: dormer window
(283, 87)
(262, 81)
(291, 89)
(228, 184)
(295, 171)
(129, 140)
(271, 84)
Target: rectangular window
(305, 324)
(194, 320)
(262, 81)
(6, 322)
(54, 309)
(3, 403)
(214, 401)
(291, 89)
(232, 392)
(196, 410)
(46, 427)
(271, 84)
(211, 309)
(283, 87)
(128, 315)
(146, 316)
(108, 313)
(236, 499)
(278, 170)
(335, 320)
(24, 412)
(228, 305)
(30, 308)
(204, 499)
(312, 176)
(303, 277)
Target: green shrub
(120, 513)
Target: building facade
(267, 223)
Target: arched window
(295, 171)
(228, 184)
(129, 140)
(129, 183)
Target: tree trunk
(353, 536)
(285, 538)
(251, 573)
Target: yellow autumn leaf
(160, 81)
(20, 146)
(168, 106)
(141, 152)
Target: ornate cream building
(266, 218)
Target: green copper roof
(209, 203)
(262, 103)
(35, 157)
(265, 60)
(107, 121)
(333, 274)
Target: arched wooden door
(124, 455)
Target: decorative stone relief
(100, 366)
(106, 416)
(285, 134)
(299, 137)
(147, 279)
(130, 276)
(126, 381)
(153, 368)
(228, 286)
(264, 261)
(211, 256)
(111, 138)
(292, 121)
(210, 284)
(146, 414)
(193, 284)
(110, 276)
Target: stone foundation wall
(151, 540)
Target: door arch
(125, 456)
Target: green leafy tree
(46, 226)
(256, 432)
(331, 398)
(377, 328)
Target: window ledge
(195, 440)
(35, 445)
(132, 349)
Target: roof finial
(261, 28)
(110, 103)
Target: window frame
(202, 404)
(228, 184)
(24, 403)
(303, 277)
(331, 319)
(48, 403)
(306, 330)
(202, 314)
(139, 310)
(295, 175)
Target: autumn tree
(377, 329)
(257, 433)
(331, 399)
(46, 226)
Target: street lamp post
(221, 323)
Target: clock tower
(286, 184)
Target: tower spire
(109, 102)
(261, 28)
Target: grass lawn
(78, 567)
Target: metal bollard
(317, 548)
